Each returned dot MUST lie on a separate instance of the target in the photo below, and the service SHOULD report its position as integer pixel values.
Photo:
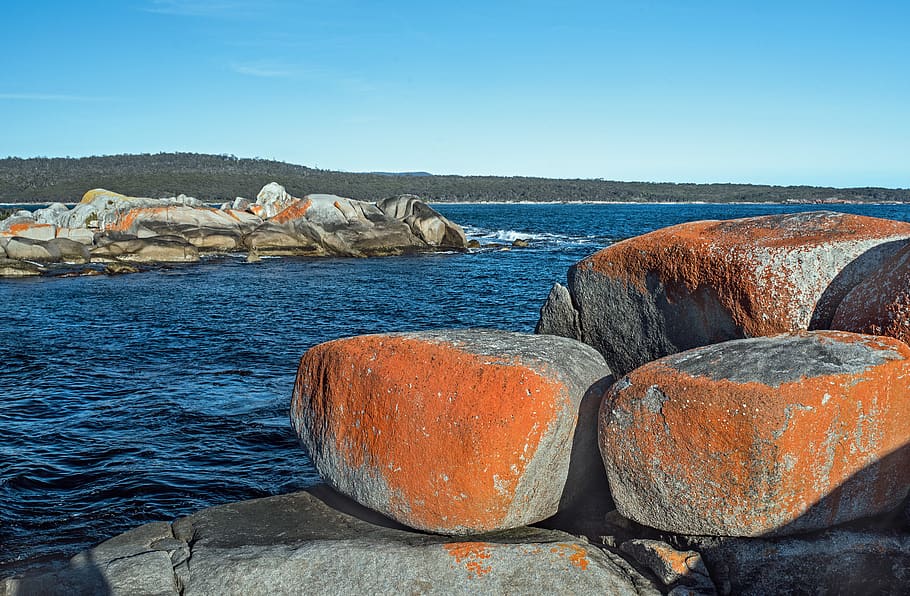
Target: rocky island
(712, 408)
(118, 232)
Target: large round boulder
(763, 436)
(880, 305)
(705, 282)
(456, 432)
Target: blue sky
(685, 91)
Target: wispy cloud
(265, 70)
(52, 97)
(279, 70)
(206, 8)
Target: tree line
(218, 178)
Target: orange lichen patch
(576, 554)
(678, 561)
(16, 229)
(127, 220)
(473, 555)
(257, 209)
(752, 458)
(449, 432)
(295, 210)
(735, 259)
(93, 194)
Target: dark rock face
(303, 543)
(764, 436)
(834, 562)
(457, 432)
(705, 282)
(880, 305)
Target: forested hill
(222, 177)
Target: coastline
(41, 204)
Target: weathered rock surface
(705, 282)
(28, 249)
(25, 227)
(880, 305)
(424, 221)
(763, 436)
(69, 250)
(558, 316)
(203, 227)
(159, 249)
(834, 562)
(458, 432)
(298, 544)
(271, 200)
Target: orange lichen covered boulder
(880, 305)
(456, 432)
(705, 282)
(765, 436)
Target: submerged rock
(16, 268)
(303, 543)
(765, 436)
(458, 432)
(705, 282)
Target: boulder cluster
(111, 229)
(715, 407)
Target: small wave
(509, 236)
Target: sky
(794, 92)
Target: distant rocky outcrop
(178, 229)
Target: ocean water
(145, 397)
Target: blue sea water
(144, 397)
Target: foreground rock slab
(705, 282)
(456, 432)
(764, 436)
(303, 543)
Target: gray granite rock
(706, 282)
(317, 542)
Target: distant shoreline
(781, 203)
(212, 178)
